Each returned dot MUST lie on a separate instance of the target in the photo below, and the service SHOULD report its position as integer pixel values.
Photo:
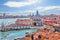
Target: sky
(26, 7)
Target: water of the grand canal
(11, 35)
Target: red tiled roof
(23, 21)
(15, 25)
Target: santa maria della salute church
(36, 20)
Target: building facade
(36, 20)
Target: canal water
(11, 35)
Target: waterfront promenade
(22, 28)
(37, 27)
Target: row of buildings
(27, 23)
(35, 21)
(6, 15)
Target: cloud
(42, 9)
(20, 4)
(48, 8)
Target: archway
(34, 23)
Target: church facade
(36, 20)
